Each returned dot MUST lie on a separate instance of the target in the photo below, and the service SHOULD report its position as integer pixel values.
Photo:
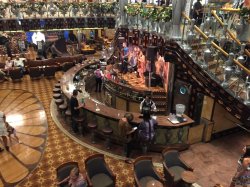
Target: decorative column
(178, 8)
(123, 17)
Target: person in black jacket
(75, 109)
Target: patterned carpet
(210, 160)
(60, 148)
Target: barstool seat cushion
(78, 119)
(92, 125)
(56, 96)
(68, 113)
(63, 107)
(56, 90)
(58, 85)
(59, 101)
(107, 130)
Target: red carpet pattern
(60, 148)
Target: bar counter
(166, 132)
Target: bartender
(147, 105)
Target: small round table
(154, 183)
(188, 178)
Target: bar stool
(57, 96)
(58, 85)
(59, 102)
(107, 131)
(92, 126)
(56, 90)
(68, 114)
(79, 120)
(63, 107)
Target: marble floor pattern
(213, 162)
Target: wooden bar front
(167, 133)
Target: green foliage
(132, 10)
(75, 5)
(245, 13)
(3, 6)
(165, 14)
(63, 7)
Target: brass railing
(215, 45)
(228, 31)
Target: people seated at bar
(19, 62)
(8, 65)
(147, 105)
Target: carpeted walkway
(60, 148)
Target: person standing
(75, 110)
(242, 176)
(147, 105)
(3, 131)
(146, 131)
(125, 52)
(197, 12)
(126, 132)
(98, 78)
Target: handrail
(230, 9)
(215, 45)
(228, 31)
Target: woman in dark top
(74, 106)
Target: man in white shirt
(8, 65)
(18, 62)
(147, 105)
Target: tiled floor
(214, 162)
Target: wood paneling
(195, 134)
(134, 107)
(121, 104)
(222, 119)
(207, 108)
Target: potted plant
(132, 11)
(3, 7)
(29, 8)
(245, 13)
(75, 8)
(85, 8)
(40, 8)
(15, 8)
(165, 17)
(63, 7)
(52, 9)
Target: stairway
(160, 99)
(209, 82)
